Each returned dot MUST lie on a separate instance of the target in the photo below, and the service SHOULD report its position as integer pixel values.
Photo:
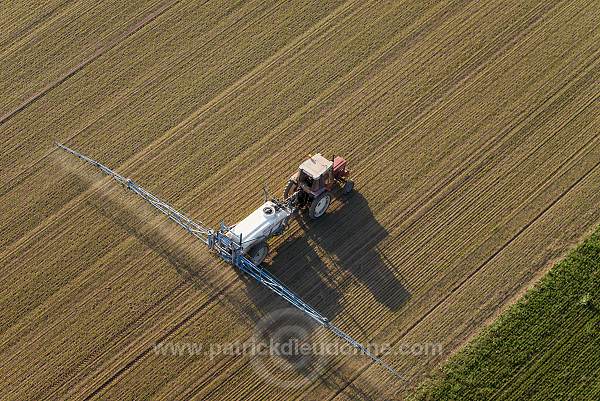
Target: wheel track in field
(482, 165)
(559, 171)
(99, 52)
(33, 26)
(38, 25)
(188, 134)
(122, 102)
(166, 303)
(194, 310)
(489, 259)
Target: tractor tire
(319, 205)
(348, 187)
(258, 253)
(290, 188)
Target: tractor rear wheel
(290, 188)
(258, 253)
(319, 205)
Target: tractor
(309, 189)
(311, 186)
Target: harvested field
(472, 129)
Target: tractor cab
(311, 186)
(315, 175)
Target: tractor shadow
(350, 235)
(329, 254)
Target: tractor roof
(316, 166)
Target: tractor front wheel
(319, 205)
(348, 187)
(258, 253)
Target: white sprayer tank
(267, 220)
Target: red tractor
(311, 186)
